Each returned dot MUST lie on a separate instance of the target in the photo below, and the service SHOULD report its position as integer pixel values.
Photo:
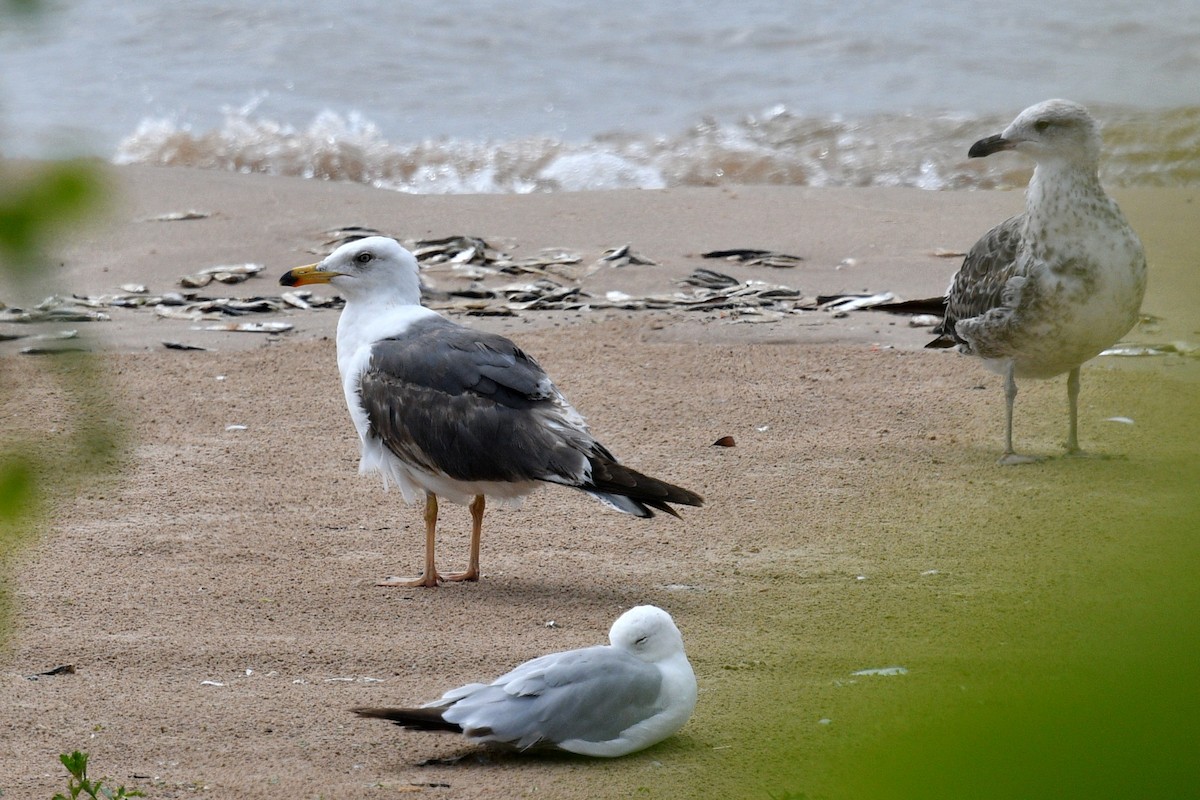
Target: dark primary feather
(978, 286)
(612, 478)
(416, 719)
(924, 305)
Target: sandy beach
(218, 598)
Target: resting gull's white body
(606, 701)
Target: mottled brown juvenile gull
(1046, 290)
(456, 413)
(607, 700)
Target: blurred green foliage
(22, 6)
(1078, 678)
(1053, 653)
(38, 202)
(1102, 702)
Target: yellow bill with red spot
(308, 274)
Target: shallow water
(501, 97)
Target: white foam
(777, 147)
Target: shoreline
(850, 240)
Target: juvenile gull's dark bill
(1049, 289)
(455, 413)
(607, 700)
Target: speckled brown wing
(978, 286)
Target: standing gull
(607, 700)
(456, 413)
(1048, 289)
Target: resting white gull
(455, 413)
(1046, 290)
(607, 700)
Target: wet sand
(218, 598)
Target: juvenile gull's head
(1053, 130)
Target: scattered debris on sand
(469, 275)
(755, 258)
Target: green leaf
(76, 764)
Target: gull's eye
(1041, 126)
(364, 258)
(641, 640)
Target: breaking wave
(777, 147)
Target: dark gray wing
(473, 406)
(978, 286)
(592, 694)
(469, 405)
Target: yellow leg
(430, 577)
(472, 573)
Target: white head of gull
(607, 700)
(1049, 289)
(447, 411)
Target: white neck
(366, 320)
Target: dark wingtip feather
(612, 478)
(666, 508)
(925, 305)
(415, 719)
